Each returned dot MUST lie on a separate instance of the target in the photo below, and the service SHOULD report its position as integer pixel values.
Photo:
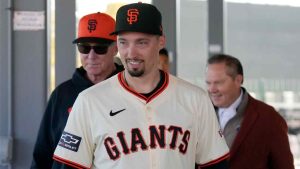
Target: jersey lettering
(111, 148)
(160, 138)
(136, 139)
(123, 142)
(185, 141)
(179, 139)
(175, 131)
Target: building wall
(25, 86)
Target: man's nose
(211, 88)
(132, 50)
(92, 54)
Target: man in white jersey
(142, 117)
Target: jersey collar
(159, 89)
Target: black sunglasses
(99, 49)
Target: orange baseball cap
(96, 27)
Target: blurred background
(37, 54)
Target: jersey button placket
(149, 118)
(153, 158)
(149, 114)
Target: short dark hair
(164, 51)
(234, 65)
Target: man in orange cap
(97, 50)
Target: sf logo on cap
(132, 15)
(92, 23)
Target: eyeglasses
(99, 49)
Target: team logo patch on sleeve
(69, 141)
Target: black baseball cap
(138, 17)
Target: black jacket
(56, 115)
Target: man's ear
(239, 79)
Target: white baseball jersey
(113, 127)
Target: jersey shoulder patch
(69, 141)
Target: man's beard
(136, 73)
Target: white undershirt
(225, 114)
